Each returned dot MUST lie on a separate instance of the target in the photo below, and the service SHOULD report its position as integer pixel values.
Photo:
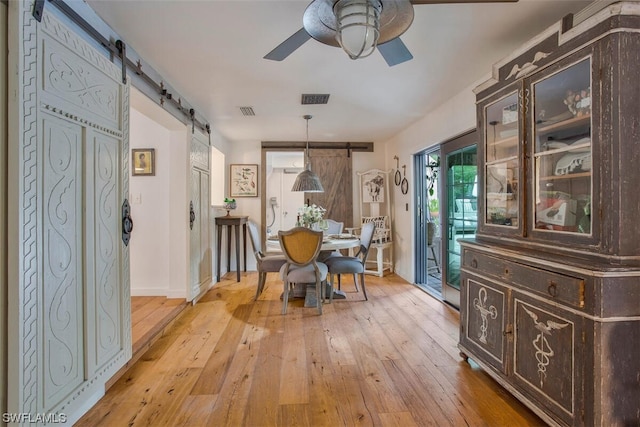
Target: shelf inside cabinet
(564, 124)
(567, 176)
(583, 147)
(501, 161)
(510, 140)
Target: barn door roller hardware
(118, 48)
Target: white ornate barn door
(200, 241)
(71, 328)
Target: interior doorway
(282, 168)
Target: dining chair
(264, 263)
(353, 264)
(334, 227)
(301, 247)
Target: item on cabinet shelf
(566, 115)
(578, 102)
(561, 212)
(510, 113)
(553, 145)
(584, 224)
(573, 163)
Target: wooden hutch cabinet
(550, 285)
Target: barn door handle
(127, 222)
(192, 215)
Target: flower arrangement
(310, 215)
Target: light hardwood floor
(230, 361)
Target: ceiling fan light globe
(358, 23)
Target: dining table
(330, 243)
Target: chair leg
(355, 282)
(285, 297)
(330, 288)
(364, 290)
(261, 279)
(319, 293)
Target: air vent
(247, 111)
(315, 98)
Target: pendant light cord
(306, 151)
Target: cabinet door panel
(545, 363)
(484, 323)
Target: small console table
(232, 222)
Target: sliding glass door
(460, 197)
(428, 242)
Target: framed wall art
(373, 187)
(143, 161)
(243, 180)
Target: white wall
(150, 202)
(3, 207)
(453, 118)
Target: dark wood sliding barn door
(335, 171)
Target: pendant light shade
(307, 181)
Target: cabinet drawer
(554, 286)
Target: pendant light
(307, 181)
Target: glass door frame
(425, 256)
(450, 293)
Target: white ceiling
(211, 52)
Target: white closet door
(71, 327)
(200, 256)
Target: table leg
(237, 230)
(219, 236)
(244, 244)
(228, 248)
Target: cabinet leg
(464, 356)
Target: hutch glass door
(562, 150)
(502, 162)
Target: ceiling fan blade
(287, 47)
(460, 1)
(394, 52)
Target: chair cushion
(304, 274)
(272, 263)
(345, 265)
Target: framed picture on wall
(373, 187)
(143, 161)
(244, 180)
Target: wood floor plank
(231, 361)
(294, 383)
(262, 406)
(398, 419)
(327, 395)
(194, 411)
(215, 369)
(231, 407)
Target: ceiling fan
(359, 26)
